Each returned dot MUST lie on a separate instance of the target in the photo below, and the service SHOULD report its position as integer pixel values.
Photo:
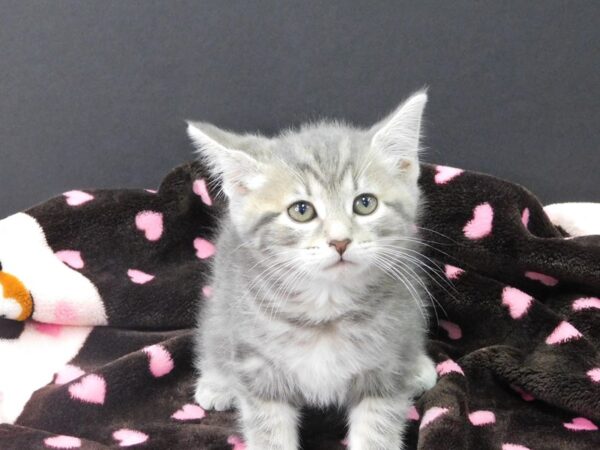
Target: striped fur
(286, 327)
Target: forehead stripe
(265, 219)
(400, 209)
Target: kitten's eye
(302, 211)
(365, 204)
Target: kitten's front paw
(212, 394)
(426, 377)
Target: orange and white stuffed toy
(16, 302)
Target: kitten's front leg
(269, 425)
(377, 423)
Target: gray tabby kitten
(311, 303)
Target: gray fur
(284, 329)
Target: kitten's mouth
(340, 263)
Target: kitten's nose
(340, 246)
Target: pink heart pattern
(161, 362)
(91, 389)
(448, 366)
(482, 418)
(518, 302)
(480, 225)
(49, 329)
(71, 257)
(204, 248)
(544, 279)
(564, 332)
(128, 437)
(189, 412)
(207, 291)
(594, 374)
(452, 273)
(199, 188)
(445, 173)
(77, 198)
(139, 277)
(65, 313)
(431, 415)
(453, 330)
(412, 413)
(581, 424)
(238, 443)
(68, 374)
(514, 447)
(586, 303)
(526, 396)
(151, 223)
(62, 441)
(525, 217)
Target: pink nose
(340, 246)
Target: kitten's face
(327, 202)
(310, 206)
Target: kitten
(312, 303)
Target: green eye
(365, 204)
(302, 211)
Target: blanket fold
(99, 291)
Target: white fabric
(577, 219)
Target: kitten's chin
(341, 270)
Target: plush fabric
(104, 358)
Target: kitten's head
(329, 200)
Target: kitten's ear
(240, 172)
(398, 135)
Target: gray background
(94, 93)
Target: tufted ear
(240, 172)
(398, 135)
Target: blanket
(99, 291)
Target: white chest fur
(323, 360)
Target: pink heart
(544, 279)
(525, 217)
(580, 424)
(139, 277)
(454, 331)
(199, 188)
(514, 447)
(189, 412)
(237, 443)
(526, 396)
(452, 273)
(562, 333)
(65, 313)
(161, 362)
(207, 291)
(448, 366)
(412, 413)
(127, 437)
(71, 258)
(151, 223)
(445, 174)
(432, 414)
(50, 329)
(480, 225)
(63, 441)
(204, 249)
(518, 302)
(68, 374)
(91, 389)
(481, 418)
(76, 198)
(594, 374)
(586, 303)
